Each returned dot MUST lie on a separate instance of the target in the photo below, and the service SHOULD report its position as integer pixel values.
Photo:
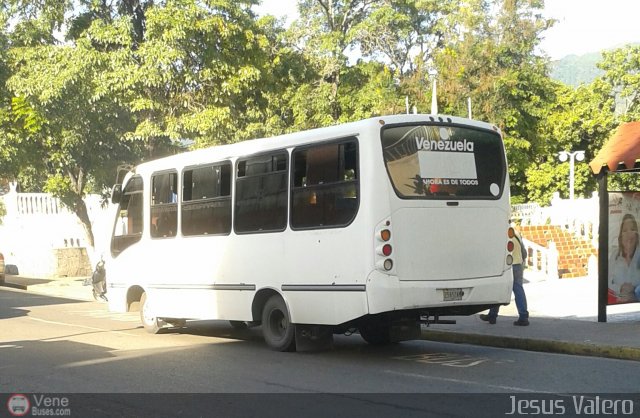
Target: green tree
(619, 86)
(133, 79)
(405, 33)
(75, 131)
(622, 76)
(579, 119)
(325, 32)
(584, 118)
(493, 60)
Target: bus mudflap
(313, 337)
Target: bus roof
(257, 146)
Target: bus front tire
(150, 323)
(277, 329)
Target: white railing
(38, 204)
(541, 261)
(578, 216)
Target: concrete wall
(44, 239)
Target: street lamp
(571, 156)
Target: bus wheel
(375, 334)
(150, 323)
(277, 329)
(238, 324)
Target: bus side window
(164, 206)
(128, 228)
(206, 200)
(325, 185)
(261, 193)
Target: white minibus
(376, 226)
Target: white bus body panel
(192, 286)
(449, 243)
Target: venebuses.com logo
(18, 405)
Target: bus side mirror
(116, 193)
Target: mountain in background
(574, 70)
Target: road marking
(81, 326)
(484, 385)
(445, 359)
(11, 346)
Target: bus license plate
(453, 294)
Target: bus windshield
(438, 162)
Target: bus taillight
(386, 264)
(510, 245)
(384, 247)
(384, 250)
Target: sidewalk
(563, 316)
(65, 287)
(564, 319)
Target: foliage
(325, 32)
(88, 85)
(622, 76)
(621, 83)
(493, 62)
(580, 119)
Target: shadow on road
(216, 329)
(12, 306)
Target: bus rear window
(440, 162)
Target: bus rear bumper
(387, 293)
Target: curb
(13, 285)
(528, 344)
(52, 288)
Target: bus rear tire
(375, 334)
(150, 323)
(277, 329)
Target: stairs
(573, 253)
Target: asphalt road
(54, 345)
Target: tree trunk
(80, 209)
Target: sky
(583, 25)
(590, 25)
